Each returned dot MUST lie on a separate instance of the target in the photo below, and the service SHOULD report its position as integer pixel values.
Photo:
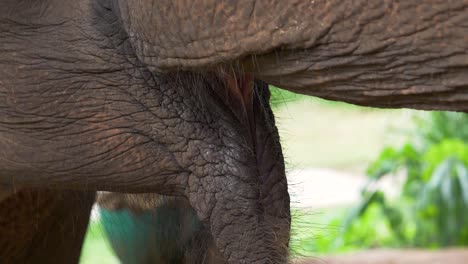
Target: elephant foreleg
(43, 226)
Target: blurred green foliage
(96, 248)
(432, 207)
(280, 97)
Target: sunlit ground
(314, 134)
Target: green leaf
(462, 173)
(446, 188)
(385, 163)
(440, 171)
(360, 210)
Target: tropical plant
(432, 207)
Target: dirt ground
(449, 256)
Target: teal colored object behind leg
(162, 235)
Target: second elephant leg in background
(151, 228)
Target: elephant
(171, 97)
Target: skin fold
(171, 97)
(385, 53)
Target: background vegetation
(431, 207)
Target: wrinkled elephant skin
(171, 97)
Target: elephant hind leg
(43, 226)
(6, 191)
